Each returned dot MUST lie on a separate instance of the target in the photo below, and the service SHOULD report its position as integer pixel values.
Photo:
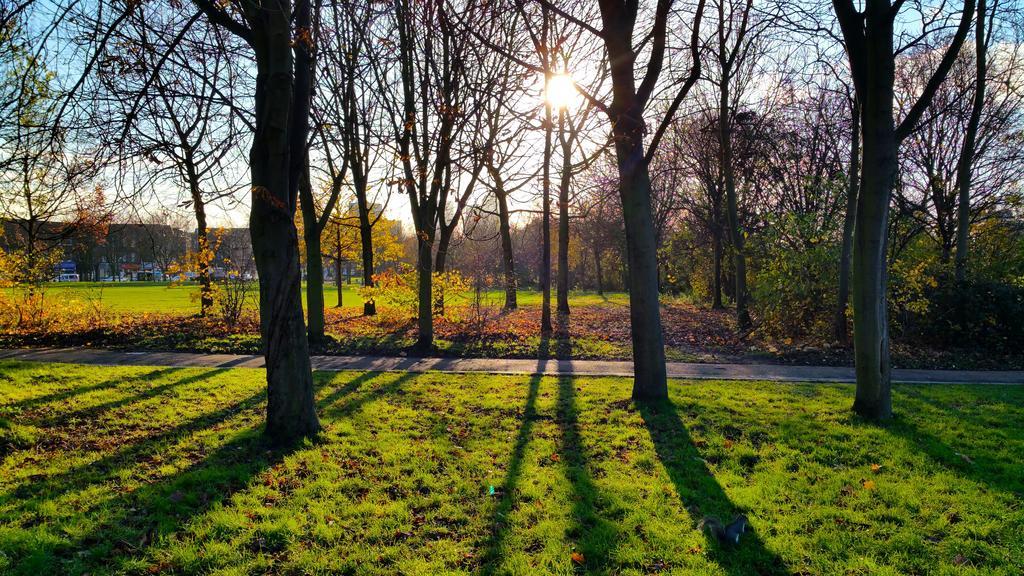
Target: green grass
(162, 297)
(160, 470)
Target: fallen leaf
(876, 468)
(728, 444)
(869, 484)
(696, 549)
(577, 557)
(555, 457)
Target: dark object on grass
(729, 534)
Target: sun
(561, 91)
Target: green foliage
(794, 286)
(137, 470)
(398, 288)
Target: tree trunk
(716, 240)
(291, 412)
(314, 260)
(963, 175)
(597, 269)
(425, 340)
(505, 229)
(732, 205)
(649, 377)
(545, 265)
(853, 186)
(202, 239)
(870, 237)
(366, 241)
(337, 267)
(563, 217)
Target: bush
(794, 291)
(399, 289)
(973, 314)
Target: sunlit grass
(151, 470)
(163, 297)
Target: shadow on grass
(61, 395)
(341, 391)
(123, 458)
(593, 534)
(970, 448)
(700, 492)
(97, 410)
(344, 403)
(125, 527)
(509, 485)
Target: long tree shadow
(123, 458)
(594, 534)
(507, 490)
(125, 527)
(96, 410)
(349, 404)
(698, 490)
(918, 422)
(73, 391)
(343, 390)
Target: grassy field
(162, 470)
(162, 297)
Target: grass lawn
(161, 470)
(162, 297)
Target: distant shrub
(399, 289)
(972, 314)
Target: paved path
(773, 372)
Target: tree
(168, 83)
(869, 36)
(276, 161)
(963, 175)
(738, 37)
(429, 111)
(626, 115)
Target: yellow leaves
(695, 549)
(868, 484)
(876, 468)
(728, 444)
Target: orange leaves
(868, 484)
(556, 458)
(876, 468)
(577, 558)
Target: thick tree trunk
(425, 340)
(202, 238)
(732, 205)
(963, 175)
(649, 377)
(314, 261)
(291, 412)
(507, 255)
(870, 238)
(563, 217)
(366, 242)
(839, 324)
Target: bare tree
(870, 47)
